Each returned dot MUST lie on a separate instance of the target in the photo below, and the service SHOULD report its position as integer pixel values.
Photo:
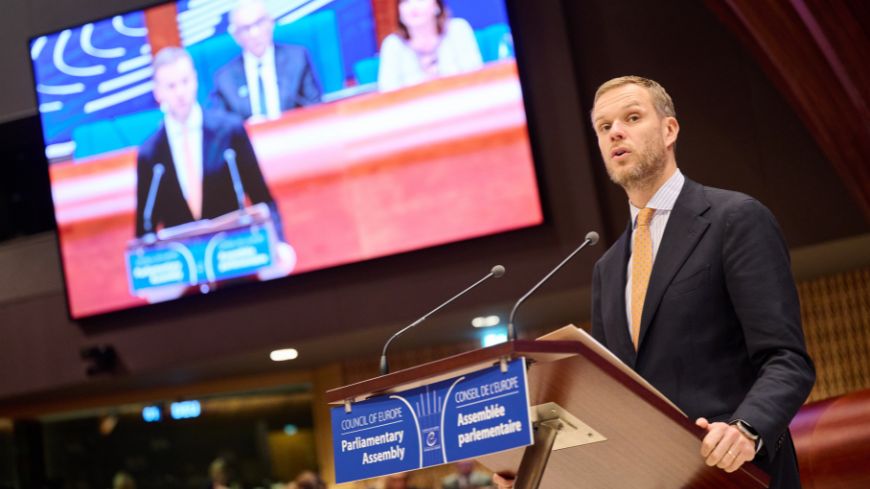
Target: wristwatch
(749, 432)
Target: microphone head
(497, 271)
(592, 237)
(158, 169)
(229, 154)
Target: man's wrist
(749, 432)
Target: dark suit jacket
(720, 330)
(297, 82)
(220, 132)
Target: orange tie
(194, 178)
(641, 267)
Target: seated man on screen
(186, 164)
(267, 78)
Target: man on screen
(185, 169)
(697, 294)
(267, 78)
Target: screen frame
(183, 303)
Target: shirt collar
(194, 121)
(268, 58)
(664, 198)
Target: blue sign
(151, 414)
(201, 259)
(465, 417)
(185, 409)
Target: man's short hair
(661, 100)
(168, 56)
(243, 4)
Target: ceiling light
(284, 355)
(485, 321)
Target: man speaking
(267, 78)
(194, 179)
(193, 165)
(697, 294)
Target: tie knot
(645, 216)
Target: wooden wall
(836, 318)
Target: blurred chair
(318, 32)
(209, 56)
(493, 41)
(832, 441)
(113, 134)
(366, 70)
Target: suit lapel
(170, 195)
(685, 227)
(242, 97)
(284, 91)
(210, 161)
(613, 286)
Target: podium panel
(235, 245)
(446, 421)
(609, 428)
(648, 444)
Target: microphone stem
(384, 368)
(230, 158)
(512, 335)
(157, 174)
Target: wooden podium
(607, 427)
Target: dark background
(737, 132)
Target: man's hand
(504, 481)
(285, 262)
(725, 446)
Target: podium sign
(200, 259)
(207, 251)
(476, 414)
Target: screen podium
(203, 253)
(597, 424)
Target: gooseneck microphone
(591, 240)
(156, 175)
(230, 158)
(497, 271)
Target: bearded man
(697, 294)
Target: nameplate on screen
(197, 259)
(469, 416)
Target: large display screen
(201, 143)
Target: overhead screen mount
(100, 359)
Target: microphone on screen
(156, 175)
(230, 158)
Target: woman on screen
(427, 44)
